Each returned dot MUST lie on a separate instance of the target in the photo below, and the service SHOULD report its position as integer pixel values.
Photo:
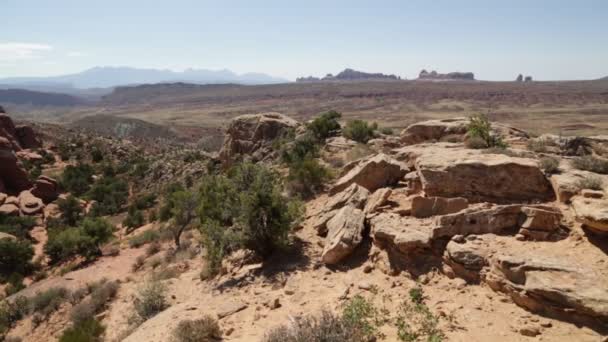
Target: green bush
(415, 321)
(89, 330)
(150, 300)
(84, 240)
(362, 314)
(303, 147)
(205, 329)
(387, 131)
(111, 194)
(15, 257)
(71, 211)
(96, 155)
(325, 125)
(77, 179)
(135, 219)
(12, 312)
(18, 226)
(359, 130)
(592, 164)
(307, 177)
(145, 201)
(480, 129)
(100, 295)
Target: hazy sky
(495, 39)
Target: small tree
(480, 129)
(325, 125)
(184, 210)
(15, 257)
(360, 131)
(71, 211)
(135, 219)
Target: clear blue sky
(495, 39)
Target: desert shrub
(101, 294)
(359, 130)
(475, 143)
(49, 301)
(84, 240)
(145, 201)
(144, 238)
(138, 264)
(480, 129)
(325, 125)
(415, 321)
(304, 146)
(549, 165)
(327, 327)
(150, 300)
(12, 312)
(387, 131)
(361, 313)
(590, 182)
(18, 226)
(135, 219)
(89, 330)
(184, 213)
(15, 257)
(153, 248)
(591, 163)
(307, 177)
(96, 155)
(71, 211)
(111, 194)
(206, 329)
(77, 179)
(14, 284)
(537, 145)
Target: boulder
(484, 220)
(252, 135)
(46, 189)
(30, 204)
(434, 130)
(29, 156)
(377, 199)
(339, 144)
(540, 223)
(9, 209)
(468, 258)
(7, 236)
(551, 286)
(481, 177)
(373, 173)
(354, 195)
(591, 212)
(9, 132)
(12, 175)
(27, 137)
(345, 233)
(432, 206)
(400, 233)
(2, 198)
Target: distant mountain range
(109, 77)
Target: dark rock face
(434, 75)
(27, 137)
(13, 177)
(350, 75)
(46, 189)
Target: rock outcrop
(13, 178)
(252, 136)
(477, 176)
(372, 173)
(345, 233)
(30, 204)
(592, 213)
(433, 206)
(46, 189)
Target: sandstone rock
(9, 132)
(345, 231)
(2, 198)
(46, 189)
(372, 173)
(551, 286)
(480, 177)
(354, 195)
(377, 199)
(27, 137)
(11, 200)
(29, 156)
(12, 175)
(9, 209)
(230, 308)
(432, 206)
(591, 212)
(540, 223)
(566, 184)
(491, 220)
(339, 144)
(7, 236)
(467, 259)
(403, 234)
(30, 204)
(434, 130)
(253, 134)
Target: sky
(550, 40)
